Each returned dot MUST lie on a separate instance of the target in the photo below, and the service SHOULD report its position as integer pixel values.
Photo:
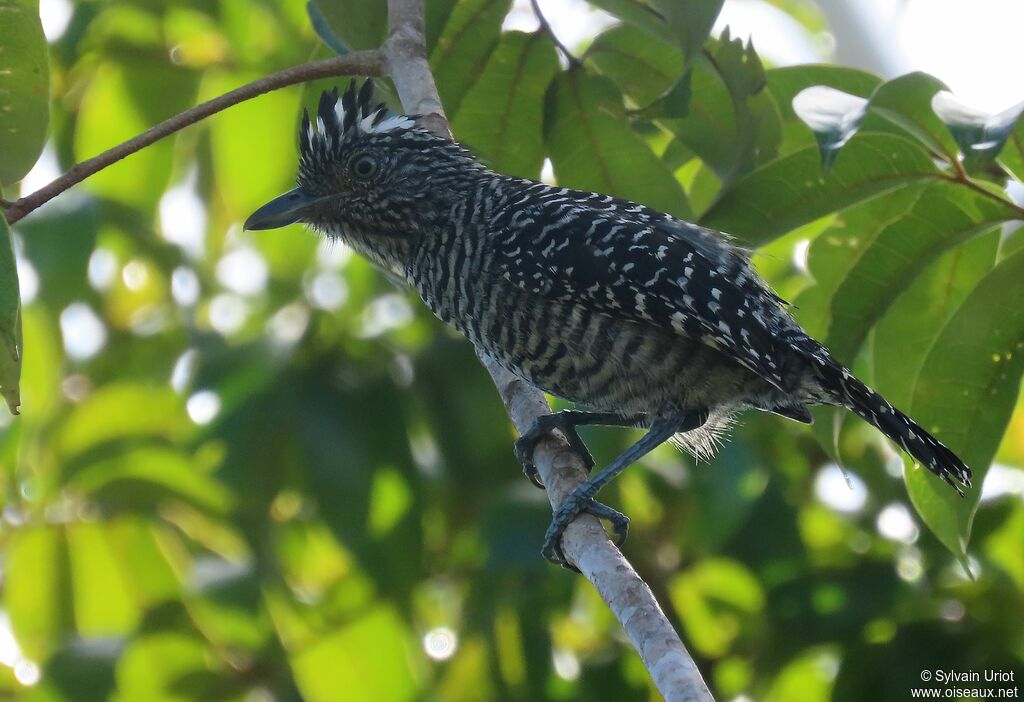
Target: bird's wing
(640, 265)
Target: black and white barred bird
(640, 318)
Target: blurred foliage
(249, 468)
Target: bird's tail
(907, 433)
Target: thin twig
(367, 63)
(584, 542)
(546, 27)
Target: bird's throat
(388, 250)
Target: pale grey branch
(585, 542)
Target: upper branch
(368, 63)
(406, 54)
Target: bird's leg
(582, 498)
(566, 422)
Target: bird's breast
(582, 355)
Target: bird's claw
(580, 501)
(577, 445)
(533, 475)
(523, 449)
(525, 444)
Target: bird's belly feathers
(593, 359)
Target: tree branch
(585, 542)
(367, 63)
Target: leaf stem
(368, 63)
(962, 178)
(546, 28)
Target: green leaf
(912, 305)
(832, 115)
(499, 117)
(592, 150)
(11, 346)
(58, 241)
(143, 477)
(889, 245)
(368, 659)
(40, 386)
(180, 655)
(641, 14)
(139, 95)
(709, 125)
(691, 22)
(731, 123)
(675, 102)
(150, 575)
(471, 32)
(269, 122)
(785, 83)
(435, 18)
(807, 677)
(81, 670)
(119, 411)
(685, 24)
(906, 102)
(1012, 157)
(642, 66)
(792, 190)
(104, 604)
(720, 500)
(37, 588)
(902, 337)
(226, 604)
(966, 392)
(716, 599)
(24, 88)
(981, 136)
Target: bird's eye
(364, 166)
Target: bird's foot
(525, 444)
(578, 501)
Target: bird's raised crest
(341, 117)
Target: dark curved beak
(280, 212)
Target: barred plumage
(637, 316)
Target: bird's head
(367, 176)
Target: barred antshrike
(641, 318)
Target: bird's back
(557, 286)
